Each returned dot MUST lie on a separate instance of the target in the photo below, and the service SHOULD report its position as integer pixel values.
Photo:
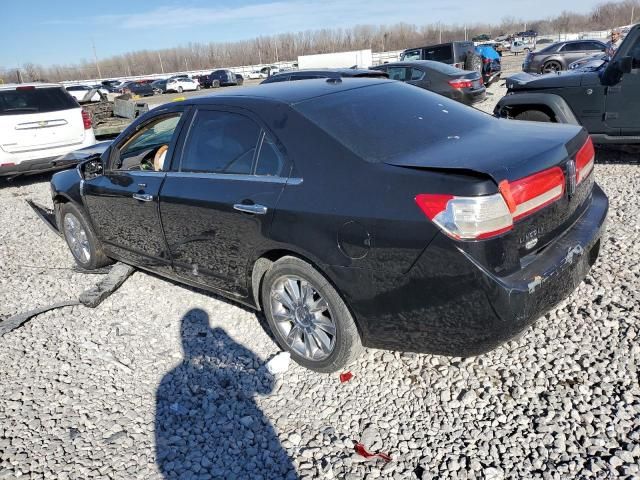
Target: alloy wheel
(551, 67)
(77, 238)
(303, 317)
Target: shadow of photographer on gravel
(207, 422)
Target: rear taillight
(477, 218)
(470, 218)
(461, 83)
(26, 87)
(530, 194)
(86, 120)
(585, 159)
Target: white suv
(39, 122)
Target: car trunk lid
(505, 161)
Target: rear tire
(180, 89)
(291, 294)
(534, 116)
(85, 247)
(551, 67)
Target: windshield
(35, 100)
(379, 122)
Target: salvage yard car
(39, 122)
(460, 85)
(557, 56)
(603, 99)
(353, 212)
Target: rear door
(35, 118)
(217, 206)
(123, 201)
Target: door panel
(123, 202)
(217, 209)
(129, 227)
(623, 99)
(209, 240)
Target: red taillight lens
(26, 87)
(585, 159)
(470, 218)
(536, 191)
(461, 83)
(477, 218)
(86, 120)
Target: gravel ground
(161, 381)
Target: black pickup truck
(604, 99)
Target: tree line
(288, 46)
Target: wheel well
(263, 264)
(518, 109)
(57, 201)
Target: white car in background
(39, 122)
(257, 74)
(79, 92)
(181, 84)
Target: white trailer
(357, 58)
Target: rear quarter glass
(35, 100)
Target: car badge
(571, 177)
(43, 123)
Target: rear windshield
(379, 122)
(35, 100)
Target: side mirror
(92, 168)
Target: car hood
(503, 149)
(87, 152)
(528, 81)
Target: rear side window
(442, 53)
(270, 161)
(397, 73)
(416, 74)
(411, 55)
(220, 142)
(359, 119)
(35, 100)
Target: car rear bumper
(42, 160)
(449, 304)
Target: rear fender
(536, 101)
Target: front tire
(534, 116)
(82, 241)
(308, 318)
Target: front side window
(147, 148)
(220, 142)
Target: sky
(63, 31)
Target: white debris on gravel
(131, 390)
(279, 363)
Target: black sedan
(462, 85)
(353, 212)
(336, 73)
(143, 89)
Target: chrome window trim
(235, 177)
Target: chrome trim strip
(236, 177)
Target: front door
(123, 202)
(623, 99)
(216, 208)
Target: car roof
(413, 63)
(289, 92)
(13, 86)
(580, 41)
